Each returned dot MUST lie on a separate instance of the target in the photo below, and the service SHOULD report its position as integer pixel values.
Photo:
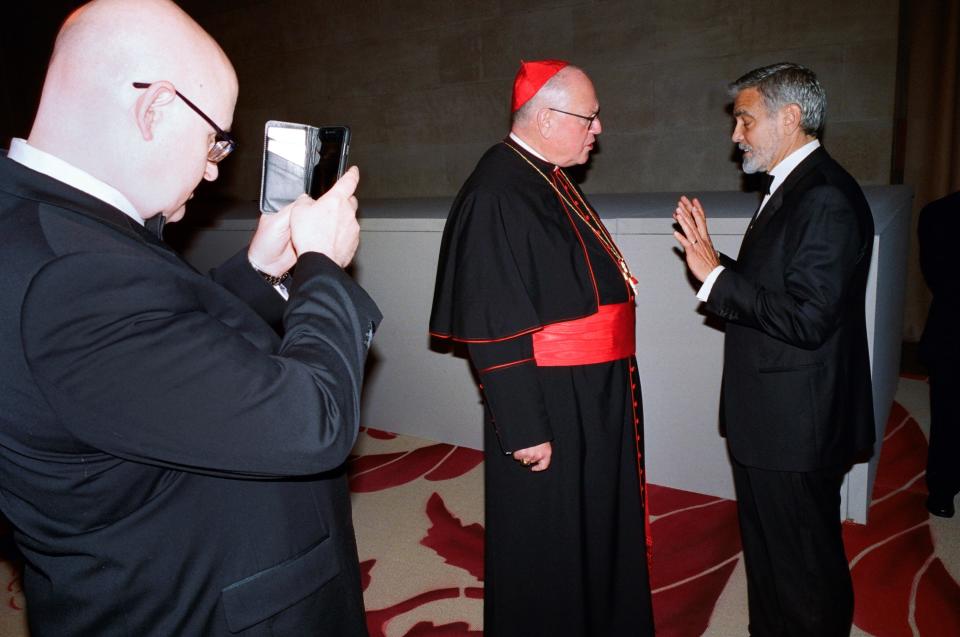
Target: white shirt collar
(527, 148)
(64, 172)
(782, 170)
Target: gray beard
(750, 166)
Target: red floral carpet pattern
(418, 513)
(687, 577)
(902, 585)
(696, 545)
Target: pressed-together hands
(537, 458)
(327, 225)
(697, 246)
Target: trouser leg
(943, 456)
(798, 577)
(764, 605)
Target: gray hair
(787, 83)
(553, 93)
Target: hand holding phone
(328, 225)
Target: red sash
(606, 336)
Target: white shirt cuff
(704, 293)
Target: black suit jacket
(937, 226)
(170, 464)
(796, 387)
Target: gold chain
(593, 221)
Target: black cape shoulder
(510, 258)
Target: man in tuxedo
(171, 465)
(797, 398)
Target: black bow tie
(154, 225)
(766, 180)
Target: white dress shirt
(779, 173)
(64, 172)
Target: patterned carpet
(418, 511)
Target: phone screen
(299, 159)
(334, 147)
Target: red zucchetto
(531, 77)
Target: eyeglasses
(223, 143)
(588, 118)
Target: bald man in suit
(171, 465)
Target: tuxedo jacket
(796, 384)
(938, 224)
(171, 465)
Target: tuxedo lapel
(763, 217)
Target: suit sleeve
(237, 275)
(511, 389)
(824, 247)
(138, 366)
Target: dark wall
(425, 84)
(29, 29)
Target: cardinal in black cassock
(533, 283)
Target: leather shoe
(940, 506)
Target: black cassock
(566, 550)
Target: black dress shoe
(940, 506)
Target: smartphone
(333, 153)
(298, 159)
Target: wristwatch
(269, 278)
